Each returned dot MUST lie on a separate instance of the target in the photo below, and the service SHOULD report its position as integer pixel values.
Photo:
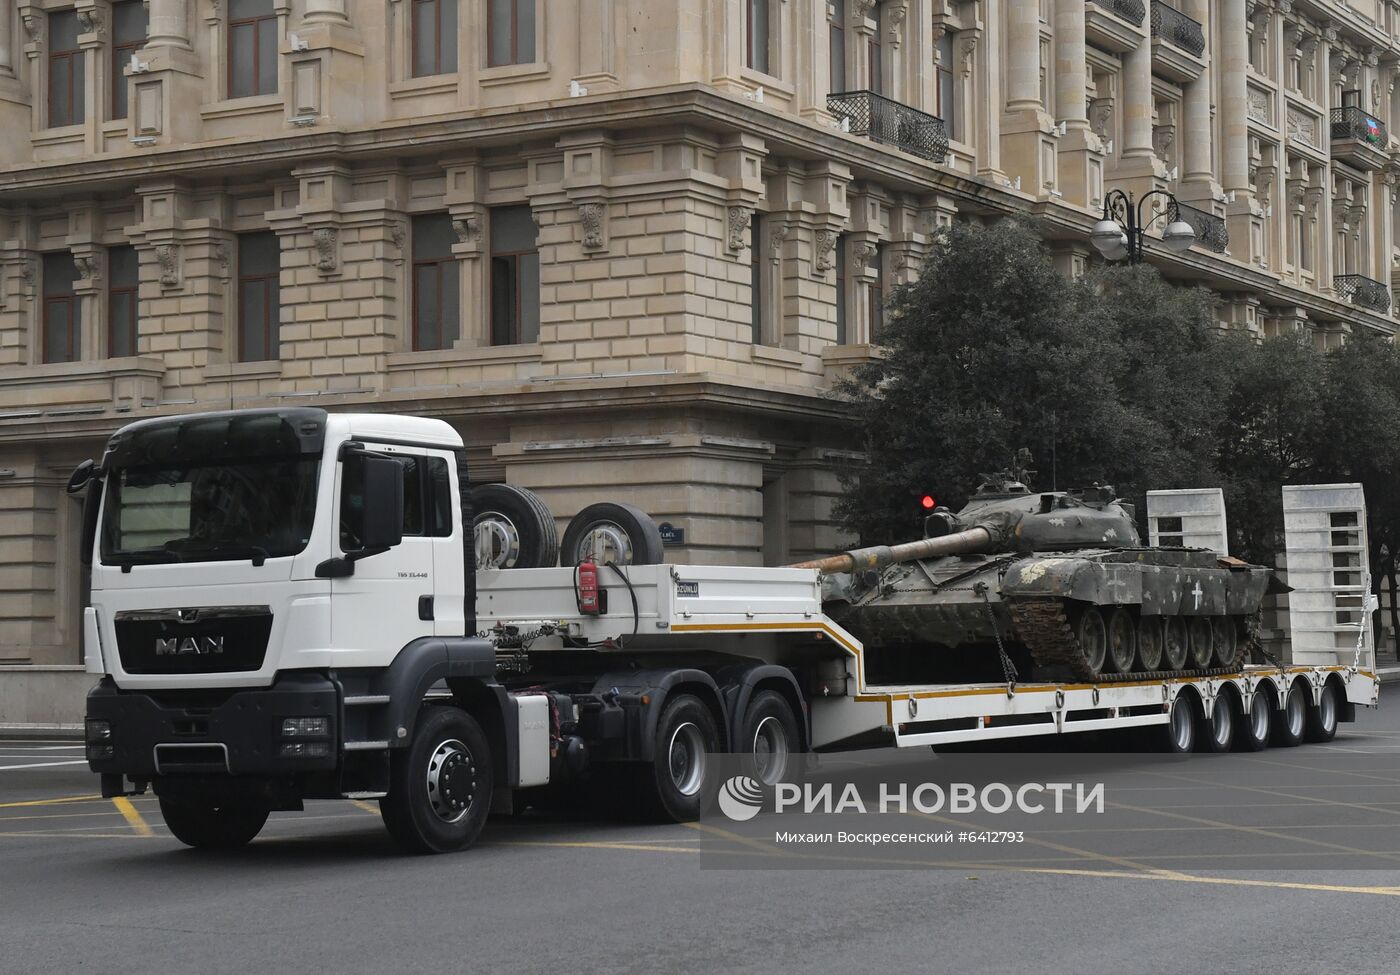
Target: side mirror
(383, 494)
(80, 476)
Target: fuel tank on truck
(1043, 585)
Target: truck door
(389, 600)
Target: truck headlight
(304, 749)
(305, 727)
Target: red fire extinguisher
(590, 599)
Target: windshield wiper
(188, 552)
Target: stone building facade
(623, 247)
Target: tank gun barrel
(878, 556)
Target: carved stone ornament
(894, 17)
(221, 254)
(965, 51)
(398, 233)
(1100, 116)
(326, 239)
(168, 255)
(29, 271)
(467, 229)
(826, 250)
(738, 224)
(1162, 138)
(864, 251)
(776, 237)
(861, 8)
(88, 266)
(91, 22)
(33, 26)
(590, 218)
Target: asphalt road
(94, 885)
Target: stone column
(1027, 139)
(7, 39)
(1196, 117)
(325, 12)
(1023, 55)
(1080, 150)
(1234, 100)
(169, 24)
(14, 99)
(1137, 102)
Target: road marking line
(67, 836)
(49, 802)
(133, 817)
(596, 845)
(361, 804)
(11, 768)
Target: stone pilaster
(166, 94)
(325, 68)
(1245, 218)
(1027, 130)
(14, 99)
(1081, 151)
(1198, 184)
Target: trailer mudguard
(655, 685)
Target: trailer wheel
(770, 737)
(1178, 735)
(681, 775)
(1218, 733)
(440, 786)
(1252, 735)
(211, 826)
(513, 529)
(1322, 718)
(613, 532)
(1293, 718)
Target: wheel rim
(1327, 711)
(497, 541)
(1222, 722)
(605, 542)
(1199, 640)
(1093, 640)
(1297, 712)
(1181, 725)
(770, 751)
(1259, 717)
(1174, 642)
(1122, 641)
(1150, 641)
(686, 758)
(1224, 636)
(451, 781)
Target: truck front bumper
(144, 736)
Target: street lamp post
(1121, 232)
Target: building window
(836, 41)
(252, 48)
(123, 279)
(259, 298)
(128, 35)
(877, 294)
(758, 294)
(842, 330)
(60, 313)
(758, 34)
(510, 27)
(515, 277)
(436, 289)
(434, 32)
(944, 81)
(66, 79)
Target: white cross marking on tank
(1197, 593)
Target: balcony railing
(1131, 11)
(885, 120)
(1177, 29)
(1211, 231)
(1352, 123)
(1361, 290)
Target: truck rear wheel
(1322, 719)
(1178, 735)
(440, 785)
(681, 775)
(1255, 726)
(770, 737)
(1292, 718)
(207, 826)
(1218, 732)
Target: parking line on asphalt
(12, 768)
(48, 802)
(133, 818)
(361, 804)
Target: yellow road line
(133, 818)
(49, 802)
(597, 845)
(361, 804)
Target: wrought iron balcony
(885, 120)
(1361, 290)
(1211, 231)
(1131, 11)
(1177, 29)
(1352, 123)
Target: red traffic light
(928, 502)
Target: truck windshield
(249, 508)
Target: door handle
(425, 607)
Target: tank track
(1043, 626)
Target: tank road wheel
(1092, 637)
(1174, 645)
(440, 785)
(1122, 640)
(1253, 732)
(1151, 638)
(1218, 734)
(1178, 735)
(1293, 717)
(1225, 637)
(1199, 634)
(1322, 719)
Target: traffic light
(928, 502)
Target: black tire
(1217, 733)
(1291, 722)
(1323, 716)
(440, 786)
(1151, 641)
(1176, 648)
(206, 826)
(513, 528)
(632, 536)
(1200, 637)
(1091, 633)
(682, 775)
(1178, 735)
(1225, 637)
(1255, 725)
(1122, 641)
(771, 738)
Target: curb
(36, 731)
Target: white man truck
(293, 604)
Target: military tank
(1043, 585)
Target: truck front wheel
(206, 826)
(440, 785)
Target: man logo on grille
(195, 645)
